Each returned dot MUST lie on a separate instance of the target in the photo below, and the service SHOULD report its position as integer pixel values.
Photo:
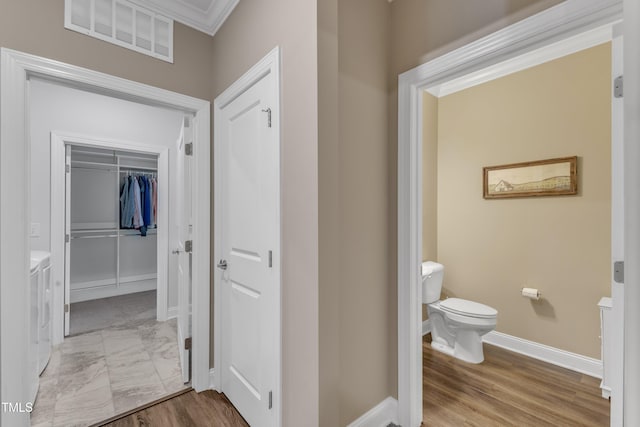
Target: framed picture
(553, 177)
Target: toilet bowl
(457, 325)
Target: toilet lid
(468, 308)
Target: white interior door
(67, 240)
(183, 238)
(250, 244)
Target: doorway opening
(108, 228)
(462, 66)
(93, 135)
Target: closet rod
(94, 230)
(129, 156)
(80, 163)
(114, 154)
(94, 237)
(125, 169)
(92, 153)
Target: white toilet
(457, 325)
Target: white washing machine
(32, 357)
(44, 307)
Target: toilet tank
(432, 275)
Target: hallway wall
(37, 27)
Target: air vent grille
(122, 23)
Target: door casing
(557, 23)
(16, 68)
(58, 141)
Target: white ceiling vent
(122, 23)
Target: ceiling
(203, 15)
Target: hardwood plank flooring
(507, 389)
(206, 409)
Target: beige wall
(412, 42)
(561, 245)
(364, 250)
(329, 215)
(253, 29)
(37, 27)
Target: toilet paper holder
(531, 293)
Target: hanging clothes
(147, 203)
(124, 202)
(155, 202)
(138, 203)
(137, 217)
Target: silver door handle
(222, 264)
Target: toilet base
(458, 336)
(470, 350)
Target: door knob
(222, 264)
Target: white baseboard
(172, 313)
(575, 362)
(381, 415)
(212, 379)
(127, 286)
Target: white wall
(58, 108)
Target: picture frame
(551, 177)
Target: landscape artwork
(552, 177)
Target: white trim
(106, 288)
(555, 356)
(614, 371)
(539, 56)
(631, 185)
(172, 312)
(208, 21)
(58, 141)
(16, 69)
(381, 415)
(545, 28)
(269, 64)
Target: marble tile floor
(96, 375)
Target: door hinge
(67, 168)
(188, 246)
(187, 343)
(618, 271)
(188, 149)
(67, 238)
(270, 259)
(270, 399)
(66, 308)
(268, 111)
(618, 87)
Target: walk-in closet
(112, 201)
(103, 186)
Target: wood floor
(507, 389)
(206, 409)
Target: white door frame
(558, 23)
(58, 141)
(270, 64)
(15, 70)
